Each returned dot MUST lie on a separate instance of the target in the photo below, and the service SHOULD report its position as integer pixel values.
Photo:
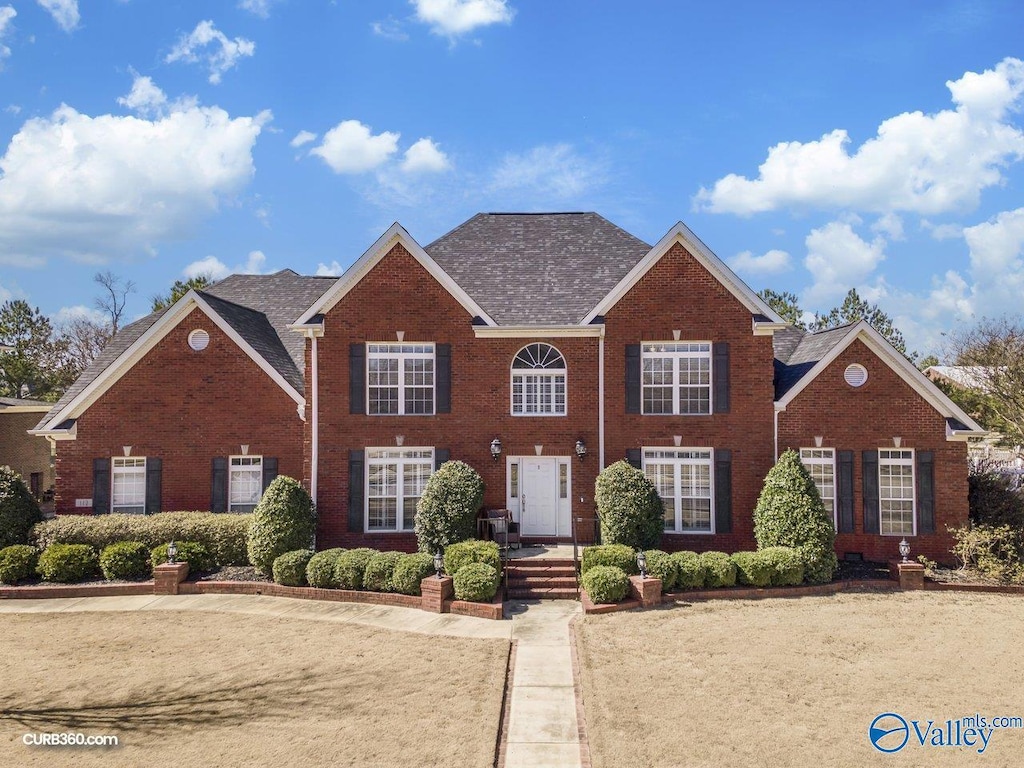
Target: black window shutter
(100, 486)
(632, 378)
(846, 491)
(720, 375)
(634, 457)
(269, 471)
(443, 353)
(869, 468)
(441, 455)
(219, 485)
(355, 491)
(154, 483)
(357, 378)
(925, 492)
(723, 490)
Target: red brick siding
(22, 452)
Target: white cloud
(451, 18)
(64, 12)
(943, 231)
(890, 225)
(214, 268)
(65, 315)
(390, 29)
(554, 170)
(838, 259)
(208, 45)
(351, 147)
(769, 263)
(259, 8)
(301, 138)
(145, 97)
(7, 13)
(63, 180)
(919, 163)
(329, 270)
(425, 157)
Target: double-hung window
(400, 379)
(245, 483)
(683, 479)
(538, 381)
(395, 479)
(128, 484)
(821, 463)
(896, 492)
(676, 377)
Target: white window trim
(258, 472)
(676, 356)
(912, 463)
(113, 471)
(402, 357)
(678, 530)
(400, 506)
(547, 373)
(807, 461)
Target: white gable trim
(396, 234)
(148, 340)
(680, 233)
(897, 362)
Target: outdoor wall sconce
(438, 563)
(172, 552)
(495, 448)
(904, 549)
(581, 449)
(641, 562)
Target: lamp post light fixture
(438, 563)
(904, 549)
(641, 562)
(172, 552)
(581, 449)
(495, 448)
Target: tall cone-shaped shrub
(283, 521)
(630, 508)
(446, 512)
(790, 513)
(18, 510)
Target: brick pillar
(909, 575)
(435, 591)
(167, 577)
(647, 591)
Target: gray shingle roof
(8, 402)
(797, 352)
(537, 269)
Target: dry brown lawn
(215, 689)
(797, 682)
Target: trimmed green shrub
(690, 572)
(719, 569)
(662, 566)
(410, 570)
(18, 510)
(67, 563)
(290, 568)
(617, 555)
(629, 506)
(752, 569)
(473, 551)
(995, 550)
(379, 572)
(351, 567)
(195, 554)
(785, 567)
(125, 560)
(446, 512)
(320, 569)
(17, 562)
(283, 521)
(477, 582)
(790, 513)
(606, 584)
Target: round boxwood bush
(446, 512)
(618, 555)
(477, 582)
(283, 521)
(629, 506)
(719, 569)
(320, 569)
(660, 565)
(350, 567)
(790, 513)
(752, 569)
(785, 567)
(18, 510)
(67, 562)
(195, 554)
(290, 568)
(410, 570)
(17, 562)
(379, 572)
(690, 572)
(465, 552)
(125, 560)
(606, 584)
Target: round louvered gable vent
(199, 340)
(856, 375)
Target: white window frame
(555, 378)
(249, 465)
(906, 458)
(403, 353)
(809, 460)
(122, 466)
(679, 458)
(676, 352)
(401, 458)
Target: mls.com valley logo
(890, 732)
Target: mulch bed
(232, 573)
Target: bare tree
(85, 338)
(114, 296)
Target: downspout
(600, 400)
(314, 458)
(776, 412)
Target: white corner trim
(25, 408)
(682, 234)
(56, 434)
(767, 329)
(395, 234)
(536, 331)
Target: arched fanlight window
(538, 381)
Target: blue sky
(813, 146)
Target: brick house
(538, 348)
(26, 454)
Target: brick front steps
(542, 579)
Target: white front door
(539, 494)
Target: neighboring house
(978, 378)
(538, 348)
(26, 454)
